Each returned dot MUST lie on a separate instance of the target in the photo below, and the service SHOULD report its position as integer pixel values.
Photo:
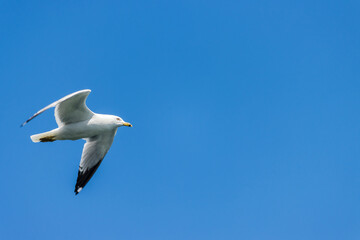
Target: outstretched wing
(94, 152)
(69, 109)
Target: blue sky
(245, 113)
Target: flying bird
(75, 121)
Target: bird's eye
(118, 119)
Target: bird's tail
(44, 137)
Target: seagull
(76, 121)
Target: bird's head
(120, 122)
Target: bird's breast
(80, 130)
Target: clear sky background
(246, 119)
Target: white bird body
(96, 125)
(76, 121)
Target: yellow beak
(127, 124)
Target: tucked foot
(47, 139)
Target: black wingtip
(77, 190)
(23, 124)
(84, 177)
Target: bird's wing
(69, 109)
(93, 153)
